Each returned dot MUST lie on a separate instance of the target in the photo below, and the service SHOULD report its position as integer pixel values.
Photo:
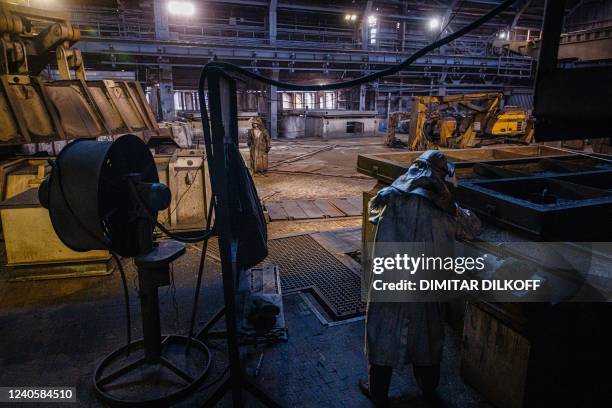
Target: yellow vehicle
(460, 121)
(509, 121)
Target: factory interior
(194, 196)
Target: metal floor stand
(153, 272)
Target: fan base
(142, 378)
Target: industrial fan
(106, 195)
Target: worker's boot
(427, 379)
(377, 386)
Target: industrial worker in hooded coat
(258, 140)
(417, 207)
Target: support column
(162, 29)
(273, 91)
(272, 21)
(364, 45)
(365, 41)
(274, 107)
(166, 88)
(362, 97)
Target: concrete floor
(55, 332)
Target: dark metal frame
(569, 103)
(224, 130)
(153, 272)
(580, 220)
(575, 220)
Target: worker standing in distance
(258, 140)
(417, 207)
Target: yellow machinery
(41, 114)
(477, 117)
(33, 250)
(35, 110)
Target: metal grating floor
(305, 265)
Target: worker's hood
(426, 177)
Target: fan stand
(222, 99)
(153, 272)
(236, 380)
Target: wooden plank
(339, 241)
(311, 209)
(352, 237)
(345, 206)
(357, 202)
(329, 210)
(276, 212)
(293, 210)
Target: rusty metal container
(33, 110)
(185, 173)
(33, 249)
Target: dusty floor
(340, 159)
(55, 332)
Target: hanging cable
(196, 296)
(361, 80)
(336, 85)
(126, 296)
(205, 234)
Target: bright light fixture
(434, 23)
(503, 35)
(353, 17)
(372, 20)
(181, 8)
(350, 17)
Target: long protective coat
(410, 333)
(258, 140)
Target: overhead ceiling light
(181, 8)
(434, 23)
(372, 20)
(350, 17)
(502, 35)
(353, 17)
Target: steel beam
(274, 107)
(272, 25)
(205, 52)
(166, 90)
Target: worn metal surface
(553, 208)
(492, 350)
(299, 123)
(37, 111)
(305, 265)
(31, 241)
(34, 110)
(542, 192)
(184, 171)
(332, 124)
(19, 175)
(189, 185)
(386, 167)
